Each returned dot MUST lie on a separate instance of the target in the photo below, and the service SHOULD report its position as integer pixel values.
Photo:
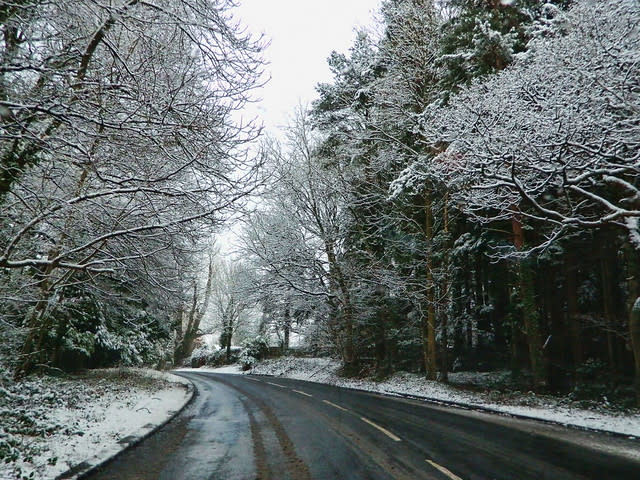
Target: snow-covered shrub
(79, 341)
(247, 361)
(118, 343)
(203, 354)
(555, 134)
(253, 351)
(219, 357)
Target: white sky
(303, 33)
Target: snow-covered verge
(50, 425)
(544, 407)
(235, 369)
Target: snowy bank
(234, 369)
(542, 407)
(51, 425)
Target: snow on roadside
(234, 369)
(50, 425)
(542, 407)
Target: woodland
(463, 195)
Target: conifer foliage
(483, 157)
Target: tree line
(465, 194)
(122, 152)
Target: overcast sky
(302, 33)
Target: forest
(463, 195)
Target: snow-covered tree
(297, 240)
(119, 146)
(232, 297)
(553, 140)
(482, 37)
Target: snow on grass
(48, 425)
(541, 407)
(321, 370)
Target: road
(242, 427)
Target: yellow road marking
(382, 429)
(449, 474)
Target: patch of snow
(93, 418)
(232, 369)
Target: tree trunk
(608, 313)
(572, 312)
(633, 273)
(530, 314)
(38, 324)
(514, 347)
(634, 331)
(444, 340)
(287, 330)
(429, 329)
(531, 319)
(445, 300)
(227, 330)
(188, 335)
(178, 356)
(337, 278)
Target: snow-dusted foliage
(296, 243)
(555, 136)
(483, 37)
(253, 350)
(466, 128)
(133, 137)
(48, 425)
(118, 135)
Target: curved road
(242, 427)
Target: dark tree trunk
(530, 314)
(608, 308)
(429, 322)
(571, 272)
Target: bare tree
(232, 297)
(190, 316)
(119, 139)
(297, 238)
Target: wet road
(248, 427)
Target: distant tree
(231, 298)
(298, 238)
(190, 316)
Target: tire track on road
(297, 468)
(262, 467)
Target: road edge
(468, 407)
(88, 466)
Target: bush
(600, 386)
(253, 351)
(202, 355)
(219, 358)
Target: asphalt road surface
(242, 427)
